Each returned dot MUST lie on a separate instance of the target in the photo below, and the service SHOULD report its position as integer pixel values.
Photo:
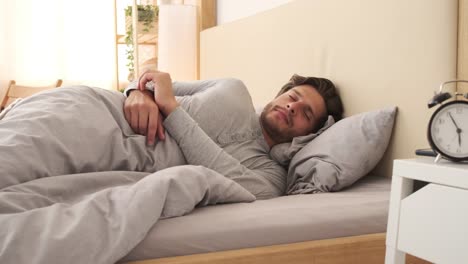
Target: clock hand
(458, 129)
(453, 120)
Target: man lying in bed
(216, 125)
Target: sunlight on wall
(4, 49)
(52, 39)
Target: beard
(272, 128)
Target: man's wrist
(149, 93)
(145, 92)
(170, 107)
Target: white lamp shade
(177, 41)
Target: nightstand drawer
(434, 224)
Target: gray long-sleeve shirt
(216, 126)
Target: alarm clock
(448, 127)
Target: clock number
(459, 110)
(458, 150)
(439, 139)
(441, 121)
(436, 130)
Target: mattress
(360, 209)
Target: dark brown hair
(325, 88)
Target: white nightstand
(431, 223)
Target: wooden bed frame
(219, 58)
(365, 249)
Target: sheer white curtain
(178, 41)
(42, 41)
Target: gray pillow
(284, 152)
(342, 154)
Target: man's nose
(292, 108)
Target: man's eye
(292, 97)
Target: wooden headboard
(379, 53)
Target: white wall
(5, 48)
(230, 10)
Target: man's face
(296, 112)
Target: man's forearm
(200, 149)
(168, 107)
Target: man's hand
(163, 94)
(143, 115)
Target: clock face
(448, 130)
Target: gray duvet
(78, 186)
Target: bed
(92, 191)
(288, 219)
(379, 53)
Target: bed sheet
(361, 209)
